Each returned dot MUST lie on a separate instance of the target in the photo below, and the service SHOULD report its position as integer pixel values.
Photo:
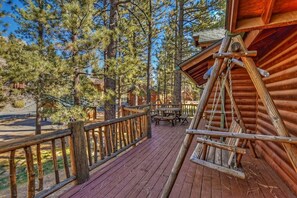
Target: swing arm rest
(222, 145)
(272, 138)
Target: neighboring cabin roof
(209, 36)
(96, 81)
(196, 66)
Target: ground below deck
(143, 171)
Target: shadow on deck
(143, 172)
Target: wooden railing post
(122, 113)
(148, 122)
(78, 153)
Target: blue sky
(12, 25)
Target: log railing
(106, 140)
(188, 109)
(30, 150)
(69, 154)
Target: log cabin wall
(245, 96)
(281, 62)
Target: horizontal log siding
(282, 85)
(245, 96)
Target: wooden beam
(232, 14)
(266, 15)
(194, 123)
(223, 169)
(252, 35)
(266, 99)
(277, 20)
(235, 54)
(271, 138)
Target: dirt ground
(23, 127)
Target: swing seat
(220, 155)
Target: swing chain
(230, 85)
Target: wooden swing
(215, 153)
(228, 51)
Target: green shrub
(19, 104)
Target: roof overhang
(247, 15)
(197, 65)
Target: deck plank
(144, 170)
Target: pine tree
(35, 20)
(79, 41)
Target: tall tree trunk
(158, 85)
(165, 83)
(38, 116)
(75, 82)
(75, 89)
(148, 67)
(109, 80)
(38, 97)
(119, 95)
(177, 74)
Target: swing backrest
(234, 128)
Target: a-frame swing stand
(219, 66)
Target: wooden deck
(143, 171)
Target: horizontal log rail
(32, 140)
(280, 139)
(69, 155)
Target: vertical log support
(194, 124)
(12, 175)
(30, 172)
(269, 104)
(121, 111)
(78, 153)
(148, 122)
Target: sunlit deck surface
(143, 171)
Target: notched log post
(78, 153)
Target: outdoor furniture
(183, 119)
(153, 114)
(171, 111)
(168, 119)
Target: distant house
(206, 38)
(98, 83)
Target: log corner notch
(270, 107)
(78, 152)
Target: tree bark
(148, 67)
(38, 117)
(109, 80)
(177, 74)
